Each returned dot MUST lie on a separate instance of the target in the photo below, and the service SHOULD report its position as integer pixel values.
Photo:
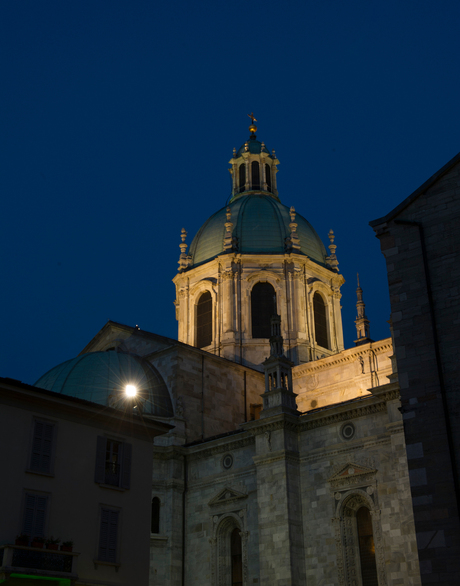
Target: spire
(183, 258)
(332, 258)
(252, 126)
(276, 339)
(363, 330)
(278, 397)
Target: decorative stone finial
(262, 148)
(246, 146)
(293, 240)
(228, 240)
(234, 152)
(183, 259)
(332, 258)
(363, 329)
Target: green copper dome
(254, 147)
(261, 226)
(101, 377)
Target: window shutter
(99, 475)
(126, 467)
(35, 515)
(42, 447)
(112, 541)
(108, 535)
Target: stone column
(281, 543)
(227, 300)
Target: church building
(286, 460)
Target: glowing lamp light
(130, 391)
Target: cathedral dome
(101, 377)
(260, 226)
(253, 146)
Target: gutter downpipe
(183, 518)
(438, 357)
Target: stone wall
(427, 351)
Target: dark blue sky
(118, 119)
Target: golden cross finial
(251, 116)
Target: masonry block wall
(420, 240)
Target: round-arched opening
(155, 520)
(268, 177)
(236, 552)
(255, 175)
(242, 177)
(319, 312)
(263, 307)
(204, 320)
(366, 547)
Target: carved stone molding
(337, 417)
(222, 526)
(346, 538)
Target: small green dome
(261, 226)
(255, 147)
(100, 377)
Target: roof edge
(413, 196)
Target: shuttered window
(155, 522)
(263, 307)
(34, 515)
(255, 173)
(42, 447)
(113, 462)
(366, 547)
(319, 311)
(204, 320)
(108, 536)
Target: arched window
(237, 558)
(366, 547)
(242, 173)
(204, 320)
(263, 307)
(319, 311)
(255, 175)
(360, 547)
(155, 521)
(268, 177)
(229, 555)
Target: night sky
(118, 119)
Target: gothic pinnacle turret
(363, 329)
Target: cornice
(201, 451)
(342, 357)
(317, 420)
(324, 453)
(276, 456)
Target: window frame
(105, 559)
(25, 506)
(30, 458)
(124, 475)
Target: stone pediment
(225, 496)
(351, 474)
